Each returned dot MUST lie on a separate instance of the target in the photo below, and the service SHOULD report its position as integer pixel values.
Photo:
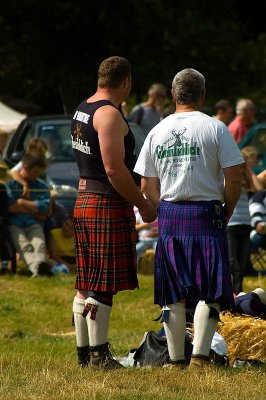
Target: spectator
(257, 208)
(25, 215)
(250, 154)
(61, 244)
(223, 111)
(6, 248)
(150, 113)
(147, 234)
(3, 141)
(238, 227)
(37, 146)
(245, 118)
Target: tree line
(50, 50)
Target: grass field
(38, 353)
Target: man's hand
(148, 213)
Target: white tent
(9, 118)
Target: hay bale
(146, 263)
(245, 336)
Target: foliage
(50, 50)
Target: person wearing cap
(150, 113)
(191, 169)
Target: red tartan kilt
(105, 237)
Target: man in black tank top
(104, 219)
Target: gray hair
(187, 86)
(243, 104)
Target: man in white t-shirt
(191, 169)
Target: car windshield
(58, 139)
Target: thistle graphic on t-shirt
(77, 131)
(77, 142)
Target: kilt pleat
(191, 260)
(105, 238)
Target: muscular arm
(151, 188)
(111, 129)
(232, 188)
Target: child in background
(147, 234)
(61, 245)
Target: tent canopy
(9, 118)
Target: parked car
(256, 137)
(62, 172)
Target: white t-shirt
(187, 152)
(17, 167)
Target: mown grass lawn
(38, 355)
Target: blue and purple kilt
(191, 259)
(105, 238)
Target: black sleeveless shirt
(86, 147)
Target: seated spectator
(7, 251)
(6, 248)
(36, 146)
(257, 209)
(147, 234)
(61, 244)
(223, 111)
(3, 141)
(24, 215)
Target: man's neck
(106, 94)
(186, 108)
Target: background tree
(50, 50)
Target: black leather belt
(96, 186)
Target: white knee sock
(204, 328)
(81, 328)
(175, 330)
(98, 321)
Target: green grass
(38, 350)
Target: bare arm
(262, 178)
(232, 188)
(256, 184)
(111, 132)
(17, 177)
(151, 188)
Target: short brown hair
(31, 160)
(112, 71)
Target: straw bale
(244, 335)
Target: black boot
(101, 357)
(83, 356)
